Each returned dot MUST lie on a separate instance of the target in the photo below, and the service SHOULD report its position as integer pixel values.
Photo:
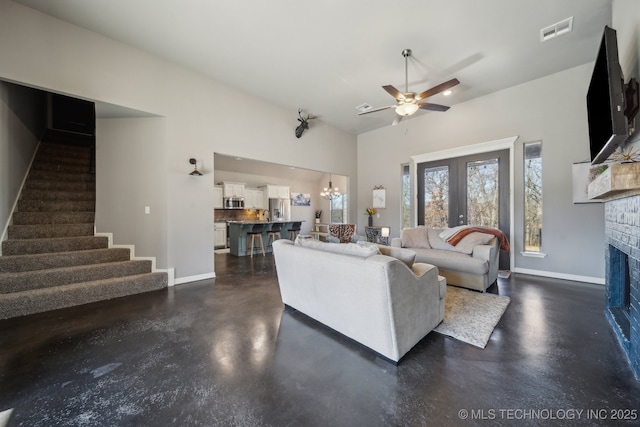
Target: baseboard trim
(554, 275)
(132, 250)
(195, 278)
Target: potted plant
(318, 214)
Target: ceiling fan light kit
(408, 102)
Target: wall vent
(557, 29)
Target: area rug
(471, 316)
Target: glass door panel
(436, 196)
(483, 195)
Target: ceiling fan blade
(433, 107)
(398, 119)
(437, 89)
(393, 92)
(373, 110)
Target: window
(405, 209)
(339, 208)
(436, 196)
(532, 196)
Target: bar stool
(275, 231)
(256, 233)
(294, 230)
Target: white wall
(551, 109)
(128, 179)
(43, 52)
(22, 113)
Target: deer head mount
(304, 123)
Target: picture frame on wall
(379, 198)
(300, 199)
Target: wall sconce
(195, 171)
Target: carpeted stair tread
(31, 218)
(58, 185)
(29, 280)
(59, 167)
(58, 244)
(39, 300)
(64, 149)
(43, 231)
(60, 176)
(28, 194)
(56, 206)
(43, 261)
(63, 159)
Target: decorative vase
(370, 220)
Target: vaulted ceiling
(330, 56)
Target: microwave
(233, 203)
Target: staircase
(51, 258)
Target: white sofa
(472, 263)
(374, 299)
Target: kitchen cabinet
(217, 197)
(253, 198)
(233, 189)
(276, 191)
(220, 234)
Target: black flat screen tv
(608, 126)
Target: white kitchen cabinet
(253, 198)
(233, 189)
(217, 197)
(220, 234)
(276, 191)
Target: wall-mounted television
(608, 126)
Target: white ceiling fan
(410, 102)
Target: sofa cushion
(415, 238)
(340, 248)
(451, 260)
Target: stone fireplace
(619, 186)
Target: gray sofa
(472, 263)
(383, 302)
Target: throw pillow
(472, 240)
(436, 241)
(415, 238)
(405, 255)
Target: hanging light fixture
(195, 171)
(330, 192)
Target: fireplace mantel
(619, 180)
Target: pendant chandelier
(330, 192)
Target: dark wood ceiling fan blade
(439, 88)
(393, 92)
(373, 110)
(433, 107)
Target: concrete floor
(224, 353)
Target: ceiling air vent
(556, 29)
(364, 107)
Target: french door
(470, 190)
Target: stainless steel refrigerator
(280, 209)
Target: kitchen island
(238, 235)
